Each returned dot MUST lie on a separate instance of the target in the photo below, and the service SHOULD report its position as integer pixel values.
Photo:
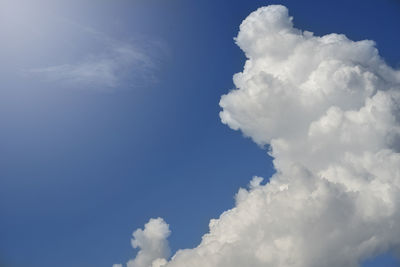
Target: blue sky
(109, 117)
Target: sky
(119, 117)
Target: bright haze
(126, 141)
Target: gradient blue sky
(87, 158)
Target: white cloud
(152, 243)
(330, 110)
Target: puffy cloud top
(153, 245)
(329, 108)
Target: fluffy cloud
(152, 243)
(330, 110)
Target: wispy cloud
(115, 63)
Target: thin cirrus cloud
(330, 109)
(115, 63)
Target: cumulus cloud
(152, 243)
(329, 109)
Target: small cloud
(153, 245)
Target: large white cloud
(330, 110)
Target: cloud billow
(329, 108)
